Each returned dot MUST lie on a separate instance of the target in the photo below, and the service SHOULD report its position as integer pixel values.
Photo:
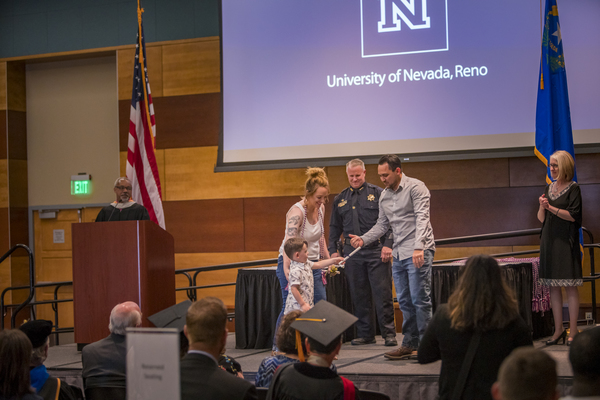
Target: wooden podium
(115, 262)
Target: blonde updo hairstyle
(566, 165)
(316, 178)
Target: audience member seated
(201, 377)
(526, 374)
(15, 356)
(314, 380)
(48, 387)
(584, 356)
(286, 343)
(482, 312)
(230, 365)
(104, 362)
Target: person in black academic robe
(124, 208)
(314, 380)
(46, 386)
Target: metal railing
(192, 274)
(192, 280)
(24, 304)
(529, 232)
(28, 302)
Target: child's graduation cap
(172, 317)
(323, 323)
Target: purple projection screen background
(314, 79)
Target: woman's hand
(544, 202)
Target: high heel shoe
(570, 339)
(562, 336)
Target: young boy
(301, 294)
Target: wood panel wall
(241, 214)
(237, 216)
(14, 227)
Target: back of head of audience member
(317, 347)
(206, 325)
(124, 315)
(15, 357)
(584, 356)
(526, 374)
(286, 335)
(326, 352)
(482, 299)
(38, 331)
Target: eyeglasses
(555, 166)
(124, 187)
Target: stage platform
(364, 365)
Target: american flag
(141, 159)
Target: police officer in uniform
(355, 210)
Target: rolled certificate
(351, 254)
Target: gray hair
(121, 178)
(123, 317)
(357, 162)
(38, 355)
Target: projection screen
(330, 80)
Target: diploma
(351, 254)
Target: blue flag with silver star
(553, 116)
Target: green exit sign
(81, 187)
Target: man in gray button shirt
(404, 205)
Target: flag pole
(143, 64)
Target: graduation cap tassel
(299, 346)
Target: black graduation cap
(37, 331)
(324, 322)
(172, 317)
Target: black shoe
(361, 341)
(391, 341)
(562, 336)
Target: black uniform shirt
(367, 209)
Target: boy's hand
(338, 260)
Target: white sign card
(152, 364)
(58, 235)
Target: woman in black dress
(560, 255)
(481, 303)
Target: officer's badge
(342, 203)
(371, 197)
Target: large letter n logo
(394, 27)
(414, 16)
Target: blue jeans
(413, 290)
(283, 282)
(320, 292)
